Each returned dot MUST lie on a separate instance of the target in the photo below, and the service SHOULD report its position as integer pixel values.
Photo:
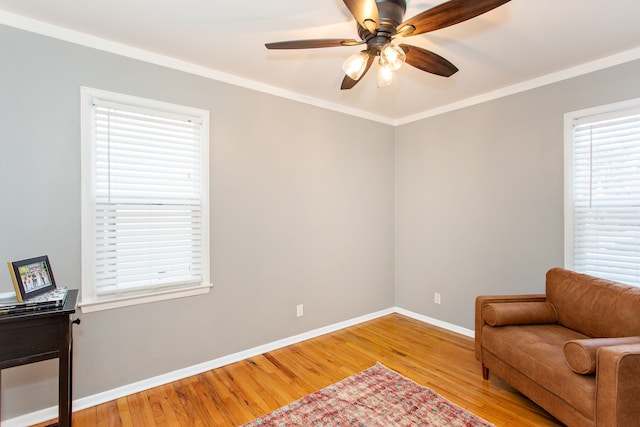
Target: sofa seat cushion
(537, 352)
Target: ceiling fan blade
(348, 82)
(310, 44)
(447, 14)
(428, 61)
(365, 12)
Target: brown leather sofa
(575, 350)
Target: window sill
(93, 306)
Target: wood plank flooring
(237, 393)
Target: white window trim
(88, 302)
(569, 120)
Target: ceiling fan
(379, 22)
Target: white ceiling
(513, 46)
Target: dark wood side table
(42, 335)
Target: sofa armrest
(618, 385)
(483, 300)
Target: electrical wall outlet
(299, 310)
(436, 298)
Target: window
(145, 203)
(602, 227)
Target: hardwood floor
(237, 393)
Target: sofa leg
(485, 372)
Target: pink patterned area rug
(377, 396)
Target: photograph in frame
(32, 277)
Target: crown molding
(83, 39)
(579, 70)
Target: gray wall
(479, 194)
(301, 212)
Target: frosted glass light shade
(386, 75)
(393, 56)
(355, 64)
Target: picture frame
(32, 277)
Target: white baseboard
(116, 393)
(435, 322)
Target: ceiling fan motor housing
(391, 13)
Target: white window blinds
(149, 202)
(606, 195)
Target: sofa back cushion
(593, 306)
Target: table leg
(64, 388)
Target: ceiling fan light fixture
(386, 76)
(392, 56)
(355, 65)
(380, 21)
